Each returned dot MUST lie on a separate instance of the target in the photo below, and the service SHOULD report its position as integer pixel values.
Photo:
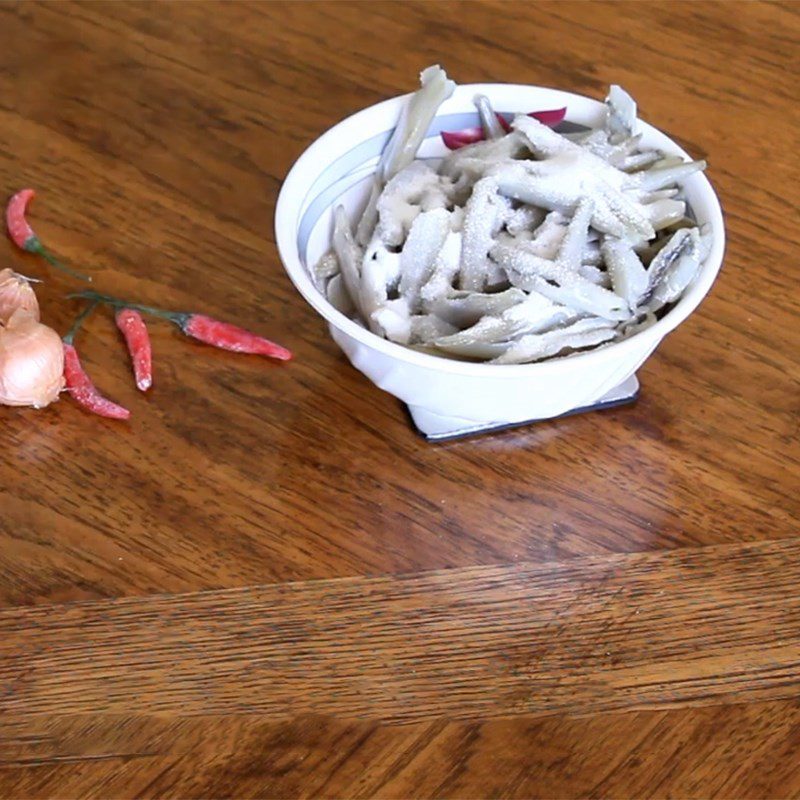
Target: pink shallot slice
(454, 140)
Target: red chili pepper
(79, 384)
(18, 229)
(205, 329)
(229, 337)
(130, 322)
(454, 140)
(23, 236)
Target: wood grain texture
(589, 635)
(744, 750)
(158, 141)
(265, 584)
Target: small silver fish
(525, 246)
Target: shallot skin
(31, 362)
(16, 292)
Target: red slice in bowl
(454, 140)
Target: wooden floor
(267, 585)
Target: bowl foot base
(436, 428)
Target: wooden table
(266, 585)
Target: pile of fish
(527, 245)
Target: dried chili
(137, 339)
(23, 236)
(229, 337)
(79, 384)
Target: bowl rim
(286, 241)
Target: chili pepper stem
(177, 317)
(69, 337)
(33, 245)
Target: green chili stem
(37, 247)
(69, 338)
(109, 300)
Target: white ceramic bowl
(337, 168)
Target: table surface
(267, 585)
